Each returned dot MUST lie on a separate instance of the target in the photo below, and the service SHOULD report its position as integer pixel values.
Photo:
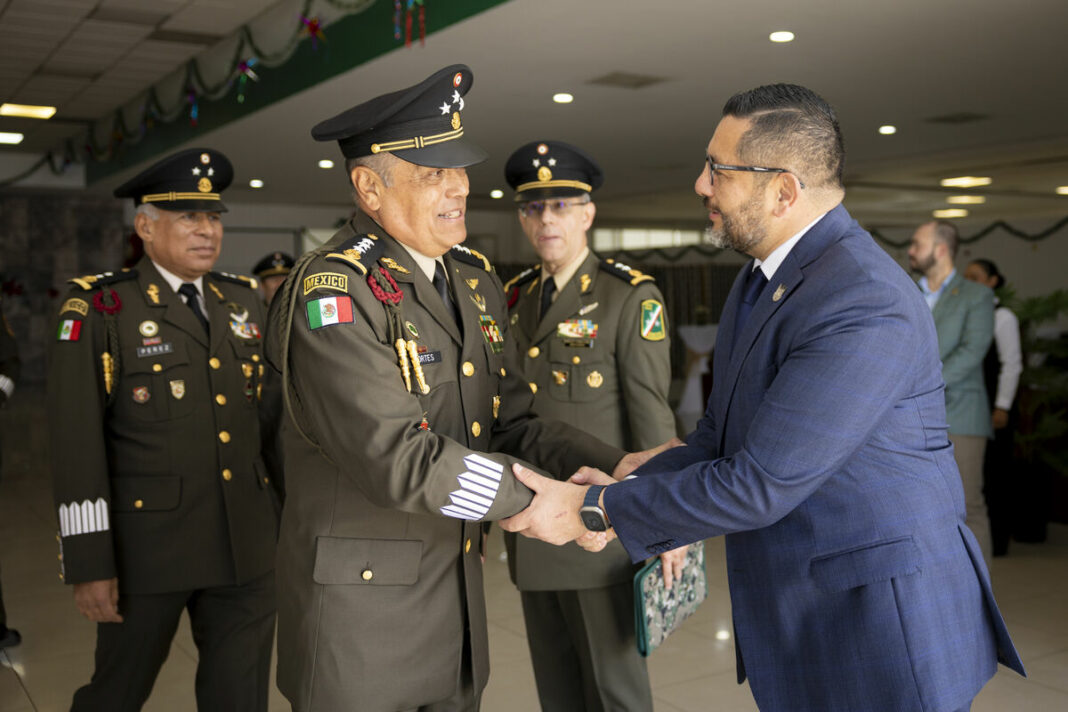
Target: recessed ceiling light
(887, 130)
(966, 199)
(12, 138)
(326, 163)
(781, 36)
(496, 194)
(255, 183)
(1062, 190)
(563, 98)
(950, 213)
(966, 182)
(27, 111)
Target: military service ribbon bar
(329, 311)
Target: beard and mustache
(742, 231)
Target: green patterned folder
(657, 611)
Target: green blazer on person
(964, 320)
(600, 360)
(379, 575)
(161, 482)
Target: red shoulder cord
(109, 309)
(380, 294)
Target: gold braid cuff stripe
(172, 196)
(554, 184)
(417, 142)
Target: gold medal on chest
(148, 328)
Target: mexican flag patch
(70, 329)
(329, 311)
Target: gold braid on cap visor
(554, 184)
(417, 142)
(172, 196)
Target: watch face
(593, 519)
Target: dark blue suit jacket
(823, 456)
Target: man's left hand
(672, 562)
(553, 514)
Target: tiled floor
(693, 671)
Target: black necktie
(548, 289)
(442, 285)
(189, 291)
(754, 284)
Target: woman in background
(1002, 368)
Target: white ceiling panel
(216, 16)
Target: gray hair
(148, 210)
(381, 163)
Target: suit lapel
(175, 311)
(945, 302)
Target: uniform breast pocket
(578, 374)
(155, 383)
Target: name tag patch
(155, 349)
(426, 357)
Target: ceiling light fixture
(255, 183)
(326, 163)
(496, 194)
(781, 36)
(950, 213)
(563, 98)
(888, 130)
(27, 111)
(966, 199)
(1062, 190)
(10, 138)
(966, 182)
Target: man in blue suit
(963, 314)
(822, 454)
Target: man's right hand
(98, 600)
(633, 460)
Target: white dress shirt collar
(771, 265)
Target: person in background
(9, 373)
(271, 271)
(594, 339)
(964, 320)
(1002, 368)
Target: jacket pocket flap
(145, 494)
(866, 565)
(381, 562)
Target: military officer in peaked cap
(408, 409)
(162, 499)
(593, 338)
(271, 271)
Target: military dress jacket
(391, 469)
(600, 361)
(156, 471)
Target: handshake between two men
(554, 514)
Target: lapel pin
(153, 293)
(472, 283)
(778, 293)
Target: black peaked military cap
(551, 169)
(273, 264)
(188, 180)
(420, 124)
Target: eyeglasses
(535, 208)
(713, 167)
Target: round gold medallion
(595, 379)
(204, 185)
(456, 119)
(544, 174)
(148, 328)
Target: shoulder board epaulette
(625, 272)
(471, 257)
(94, 281)
(241, 279)
(358, 252)
(522, 278)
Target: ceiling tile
(216, 16)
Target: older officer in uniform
(594, 341)
(404, 389)
(162, 498)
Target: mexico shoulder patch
(652, 320)
(69, 330)
(329, 311)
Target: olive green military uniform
(600, 361)
(9, 373)
(381, 606)
(158, 480)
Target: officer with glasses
(593, 336)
